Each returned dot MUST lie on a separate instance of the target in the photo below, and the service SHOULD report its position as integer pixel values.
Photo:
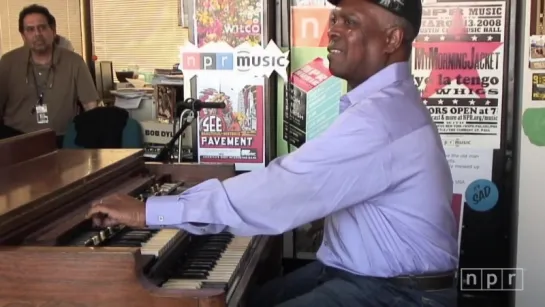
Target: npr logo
(208, 61)
(492, 279)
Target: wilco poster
(457, 64)
(226, 21)
(233, 134)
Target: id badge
(41, 114)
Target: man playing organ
(378, 175)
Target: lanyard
(39, 89)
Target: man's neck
(42, 58)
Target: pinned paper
(533, 125)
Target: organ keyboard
(51, 255)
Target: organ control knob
(103, 235)
(109, 231)
(93, 241)
(155, 188)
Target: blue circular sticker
(482, 195)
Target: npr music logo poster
(221, 58)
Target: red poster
(234, 134)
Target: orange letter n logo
(309, 26)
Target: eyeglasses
(40, 28)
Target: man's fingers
(96, 209)
(102, 209)
(105, 200)
(108, 222)
(97, 221)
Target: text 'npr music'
(500, 279)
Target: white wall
(531, 189)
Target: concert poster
(231, 21)
(234, 134)
(458, 65)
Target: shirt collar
(387, 76)
(55, 59)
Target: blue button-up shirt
(379, 175)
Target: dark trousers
(316, 285)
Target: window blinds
(137, 32)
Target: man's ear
(394, 39)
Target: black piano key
(213, 247)
(214, 285)
(129, 239)
(201, 266)
(205, 256)
(124, 244)
(193, 271)
(198, 264)
(205, 253)
(193, 275)
(219, 240)
(141, 236)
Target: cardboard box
(156, 134)
(311, 103)
(145, 112)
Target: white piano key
(159, 242)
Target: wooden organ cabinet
(51, 255)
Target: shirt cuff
(203, 230)
(164, 210)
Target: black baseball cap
(410, 10)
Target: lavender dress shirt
(379, 175)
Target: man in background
(42, 85)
